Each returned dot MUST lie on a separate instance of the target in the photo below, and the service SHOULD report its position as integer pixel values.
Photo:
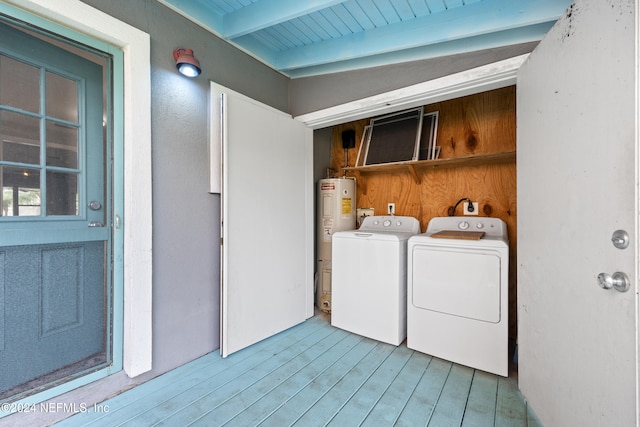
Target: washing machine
(458, 290)
(369, 278)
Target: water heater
(336, 212)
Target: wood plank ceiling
(310, 37)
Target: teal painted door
(55, 244)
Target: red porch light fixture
(186, 63)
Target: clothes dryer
(369, 278)
(458, 282)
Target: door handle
(618, 281)
(95, 224)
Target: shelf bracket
(362, 183)
(414, 174)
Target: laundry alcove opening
(415, 193)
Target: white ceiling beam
(265, 13)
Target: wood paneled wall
(473, 125)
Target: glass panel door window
(40, 140)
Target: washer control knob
(463, 225)
(398, 223)
(387, 222)
(479, 226)
(376, 222)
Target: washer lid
(373, 235)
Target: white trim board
(135, 44)
(480, 79)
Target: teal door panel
(53, 300)
(55, 234)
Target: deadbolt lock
(620, 239)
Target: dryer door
(457, 281)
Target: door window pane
(19, 85)
(62, 193)
(20, 138)
(61, 97)
(62, 145)
(20, 191)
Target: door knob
(619, 281)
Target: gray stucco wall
(308, 94)
(186, 218)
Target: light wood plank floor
(315, 375)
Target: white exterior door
(577, 184)
(267, 220)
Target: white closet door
(267, 220)
(577, 184)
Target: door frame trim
(70, 18)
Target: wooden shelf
(412, 167)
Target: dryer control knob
(463, 225)
(386, 222)
(479, 225)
